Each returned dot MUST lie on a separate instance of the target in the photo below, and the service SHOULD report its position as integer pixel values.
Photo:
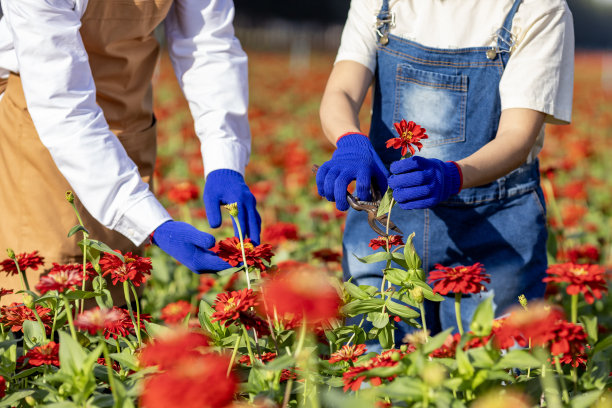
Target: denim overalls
(454, 94)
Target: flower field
(270, 331)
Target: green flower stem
(126, 293)
(244, 259)
(24, 278)
(85, 237)
(111, 374)
(137, 327)
(574, 308)
(422, 309)
(565, 394)
(54, 319)
(354, 333)
(69, 315)
(549, 385)
(298, 350)
(231, 363)
(247, 340)
(42, 326)
(458, 312)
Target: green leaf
(590, 326)
(396, 276)
(427, 291)
(229, 271)
(100, 246)
(339, 399)
(362, 306)
(482, 322)
(520, 359)
(279, 363)
(71, 354)
(80, 294)
(33, 333)
(355, 292)
(410, 255)
(587, 399)
(602, 345)
(156, 330)
(14, 398)
(104, 299)
(379, 320)
(480, 357)
(376, 257)
(463, 363)
(126, 359)
(76, 229)
(385, 337)
(436, 342)
(402, 310)
(385, 204)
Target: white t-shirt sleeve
(358, 42)
(540, 73)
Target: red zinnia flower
(265, 357)
(60, 279)
(305, 291)
(381, 242)
(115, 365)
(135, 268)
(586, 253)
(123, 326)
(15, 314)
(229, 306)
(4, 292)
(183, 192)
(173, 346)
(230, 251)
(197, 381)
(2, 387)
(25, 261)
(460, 279)
(354, 376)
(348, 353)
(569, 341)
(278, 233)
(536, 324)
(586, 279)
(44, 355)
(176, 312)
(409, 134)
(95, 320)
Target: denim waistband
(521, 180)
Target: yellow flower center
(247, 247)
(407, 135)
(230, 304)
(579, 271)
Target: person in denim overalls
(468, 199)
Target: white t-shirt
(540, 72)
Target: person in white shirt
(482, 78)
(76, 114)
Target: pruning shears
(377, 223)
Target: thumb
(204, 260)
(213, 211)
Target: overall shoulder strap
(504, 37)
(383, 21)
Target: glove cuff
(354, 139)
(456, 177)
(224, 173)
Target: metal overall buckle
(383, 22)
(510, 43)
(377, 223)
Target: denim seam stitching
(426, 241)
(461, 88)
(440, 63)
(440, 50)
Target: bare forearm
(516, 136)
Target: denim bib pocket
(433, 100)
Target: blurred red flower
(230, 250)
(47, 354)
(15, 314)
(123, 326)
(135, 269)
(409, 134)
(177, 344)
(303, 291)
(278, 233)
(536, 325)
(586, 253)
(265, 357)
(25, 261)
(96, 320)
(183, 192)
(381, 242)
(192, 381)
(229, 306)
(2, 387)
(4, 292)
(61, 278)
(206, 284)
(458, 279)
(327, 255)
(581, 278)
(347, 353)
(115, 365)
(176, 312)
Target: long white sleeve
(211, 68)
(61, 98)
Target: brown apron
(34, 215)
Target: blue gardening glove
(418, 182)
(226, 186)
(189, 246)
(354, 159)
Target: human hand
(354, 159)
(189, 246)
(418, 182)
(226, 186)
